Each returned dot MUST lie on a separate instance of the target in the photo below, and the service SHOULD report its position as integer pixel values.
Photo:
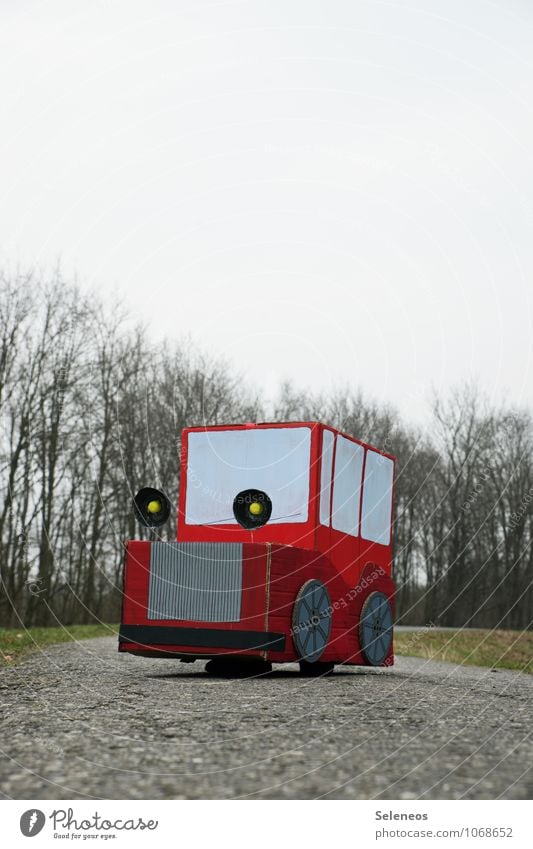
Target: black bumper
(209, 638)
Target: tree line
(91, 409)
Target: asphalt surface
(81, 721)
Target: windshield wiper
(219, 521)
(232, 519)
(289, 516)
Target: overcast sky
(329, 192)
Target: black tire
(228, 667)
(316, 670)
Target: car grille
(195, 581)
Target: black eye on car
(151, 507)
(252, 508)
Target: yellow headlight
(153, 506)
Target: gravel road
(80, 721)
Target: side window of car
(347, 486)
(377, 498)
(326, 469)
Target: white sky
(331, 192)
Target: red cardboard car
(283, 552)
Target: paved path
(80, 721)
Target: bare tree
(92, 410)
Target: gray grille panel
(196, 581)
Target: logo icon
(32, 822)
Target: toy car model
(283, 552)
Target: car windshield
(222, 463)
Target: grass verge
(16, 643)
(496, 649)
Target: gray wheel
(311, 621)
(375, 628)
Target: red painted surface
(277, 560)
(253, 605)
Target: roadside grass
(496, 649)
(16, 643)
